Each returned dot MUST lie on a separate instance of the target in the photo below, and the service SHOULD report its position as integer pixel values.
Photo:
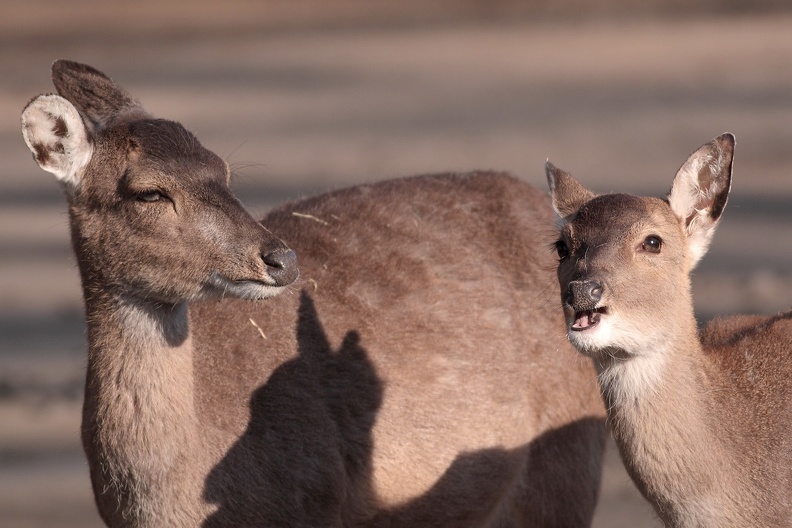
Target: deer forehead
(160, 152)
(613, 218)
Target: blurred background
(304, 96)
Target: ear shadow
(562, 462)
(305, 456)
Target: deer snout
(281, 266)
(583, 295)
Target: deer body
(409, 377)
(703, 420)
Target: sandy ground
(301, 99)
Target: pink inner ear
(702, 184)
(684, 195)
(698, 224)
(699, 194)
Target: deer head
(624, 261)
(151, 211)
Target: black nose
(583, 295)
(282, 266)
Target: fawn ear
(57, 137)
(566, 193)
(98, 99)
(700, 190)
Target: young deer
(410, 378)
(703, 421)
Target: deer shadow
(305, 457)
(544, 483)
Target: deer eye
(562, 249)
(150, 196)
(652, 244)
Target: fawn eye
(562, 249)
(652, 244)
(150, 196)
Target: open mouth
(587, 319)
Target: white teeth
(586, 319)
(582, 320)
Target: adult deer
(703, 421)
(431, 393)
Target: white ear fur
(55, 134)
(700, 190)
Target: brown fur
(703, 422)
(412, 376)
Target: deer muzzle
(583, 298)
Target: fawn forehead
(620, 216)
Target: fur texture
(414, 375)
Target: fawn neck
(641, 370)
(139, 418)
(665, 428)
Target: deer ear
(566, 193)
(700, 190)
(98, 99)
(56, 135)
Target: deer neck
(139, 419)
(660, 413)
